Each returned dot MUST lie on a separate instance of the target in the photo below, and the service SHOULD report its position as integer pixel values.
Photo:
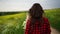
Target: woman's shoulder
(45, 19)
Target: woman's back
(44, 29)
(36, 23)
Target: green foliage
(54, 18)
(12, 24)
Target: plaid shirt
(44, 29)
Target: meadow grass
(54, 17)
(12, 24)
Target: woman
(36, 23)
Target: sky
(21, 5)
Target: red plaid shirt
(44, 29)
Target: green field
(54, 17)
(12, 24)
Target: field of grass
(54, 17)
(12, 24)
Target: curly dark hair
(36, 13)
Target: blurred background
(13, 14)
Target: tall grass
(12, 24)
(54, 17)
